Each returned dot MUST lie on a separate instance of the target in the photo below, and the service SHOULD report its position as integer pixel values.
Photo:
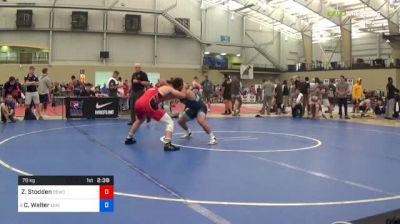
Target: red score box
(106, 192)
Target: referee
(139, 82)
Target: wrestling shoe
(187, 135)
(130, 141)
(163, 140)
(169, 147)
(213, 141)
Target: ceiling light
(223, 54)
(206, 52)
(232, 16)
(387, 41)
(238, 55)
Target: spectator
(76, 86)
(126, 87)
(357, 95)
(236, 96)
(121, 92)
(304, 88)
(379, 107)
(391, 90)
(44, 88)
(207, 91)
(297, 104)
(11, 87)
(196, 87)
(139, 82)
(259, 94)
(22, 91)
(306, 93)
(278, 96)
(285, 93)
(365, 107)
(70, 87)
(325, 91)
(97, 90)
(87, 91)
(292, 89)
(32, 95)
(56, 92)
(113, 85)
(252, 90)
(268, 88)
(342, 91)
(104, 89)
(315, 100)
(8, 109)
(227, 94)
(332, 95)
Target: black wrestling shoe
(130, 141)
(129, 123)
(169, 147)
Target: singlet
(197, 103)
(152, 96)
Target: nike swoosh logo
(99, 106)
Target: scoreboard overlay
(65, 194)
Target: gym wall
(83, 47)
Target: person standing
(227, 94)
(306, 86)
(258, 94)
(285, 93)
(139, 82)
(207, 91)
(342, 91)
(278, 96)
(236, 96)
(391, 90)
(32, 95)
(332, 95)
(269, 91)
(44, 88)
(196, 87)
(325, 99)
(76, 86)
(357, 95)
(113, 85)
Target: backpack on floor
(29, 115)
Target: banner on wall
(91, 107)
(246, 71)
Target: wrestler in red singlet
(149, 105)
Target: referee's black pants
(132, 101)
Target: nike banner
(91, 107)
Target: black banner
(65, 180)
(91, 107)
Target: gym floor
(264, 170)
